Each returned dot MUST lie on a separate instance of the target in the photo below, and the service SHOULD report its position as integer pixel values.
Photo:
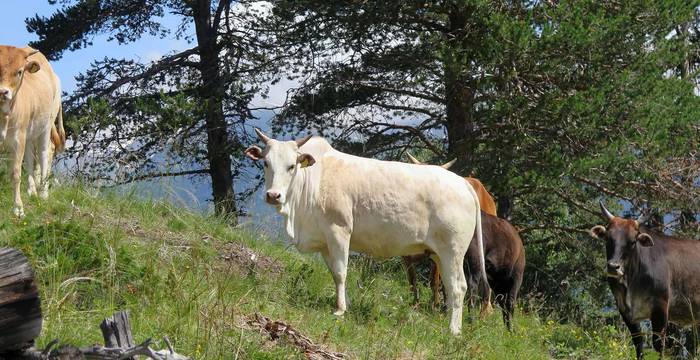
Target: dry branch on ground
(279, 330)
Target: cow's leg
(691, 337)
(637, 336)
(19, 147)
(450, 265)
(659, 325)
(45, 162)
(410, 264)
(470, 272)
(31, 164)
(336, 257)
(435, 283)
(502, 301)
(512, 298)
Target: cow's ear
(306, 160)
(645, 239)
(598, 231)
(254, 152)
(32, 67)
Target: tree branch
(162, 64)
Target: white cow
(335, 202)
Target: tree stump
(20, 307)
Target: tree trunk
(213, 92)
(20, 307)
(459, 97)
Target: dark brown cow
(505, 263)
(652, 276)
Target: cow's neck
(301, 198)
(635, 268)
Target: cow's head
(281, 160)
(622, 236)
(14, 64)
(446, 165)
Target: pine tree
(553, 105)
(190, 105)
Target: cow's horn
(605, 211)
(32, 52)
(449, 164)
(303, 141)
(413, 160)
(262, 136)
(642, 218)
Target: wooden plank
(20, 306)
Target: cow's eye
(19, 73)
(291, 167)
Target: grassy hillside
(190, 277)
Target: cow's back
(683, 260)
(393, 208)
(485, 199)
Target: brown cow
(505, 263)
(651, 275)
(488, 206)
(30, 101)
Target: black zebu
(652, 276)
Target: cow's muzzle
(614, 270)
(273, 198)
(5, 94)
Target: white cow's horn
(303, 141)
(262, 136)
(413, 160)
(449, 164)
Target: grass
(95, 253)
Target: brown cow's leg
(410, 264)
(513, 297)
(659, 325)
(435, 284)
(691, 341)
(637, 337)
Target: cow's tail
(58, 134)
(484, 287)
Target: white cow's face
(281, 161)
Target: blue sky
(148, 48)
(189, 192)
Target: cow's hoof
(486, 311)
(31, 191)
(339, 312)
(18, 211)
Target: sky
(148, 48)
(184, 191)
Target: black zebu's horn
(643, 218)
(608, 216)
(262, 136)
